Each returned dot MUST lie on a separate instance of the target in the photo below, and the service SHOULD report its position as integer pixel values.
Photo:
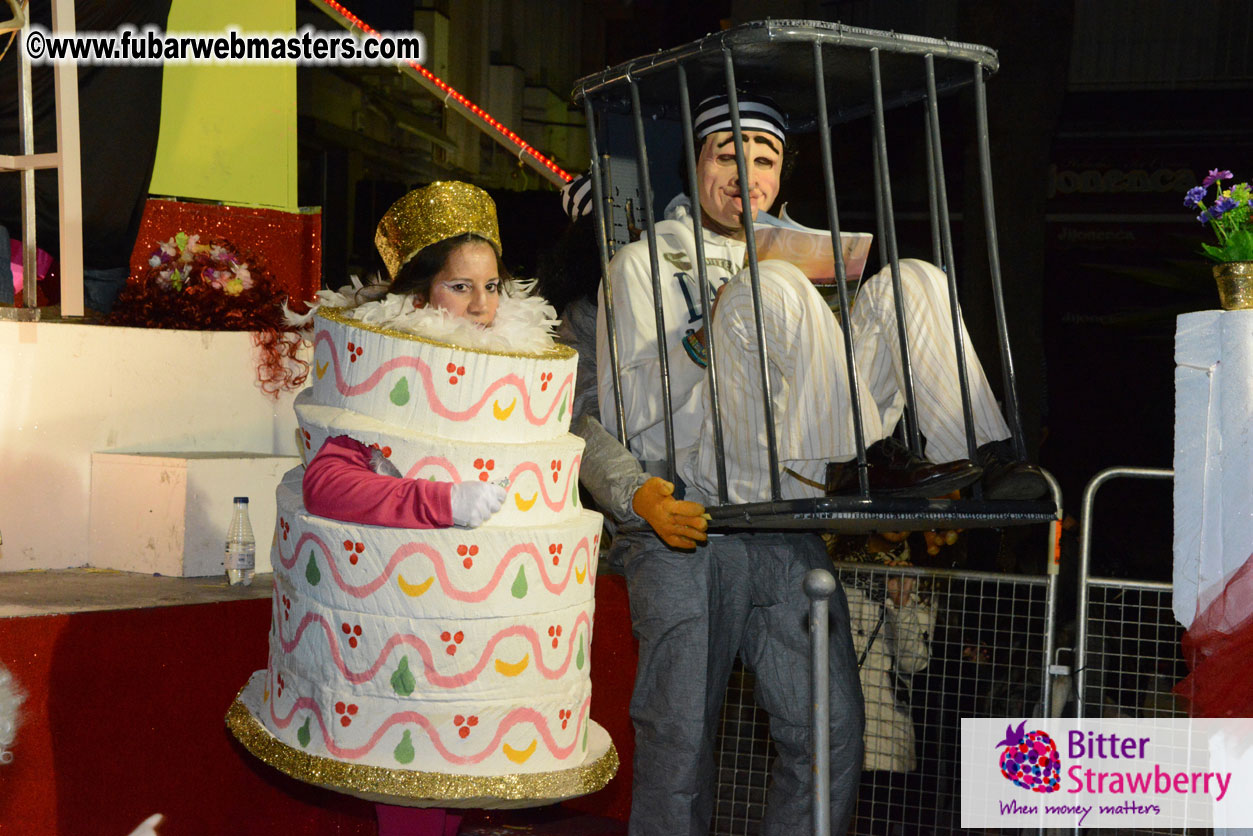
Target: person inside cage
(809, 382)
(694, 612)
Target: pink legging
(416, 821)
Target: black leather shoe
(1004, 477)
(895, 471)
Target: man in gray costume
(694, 608)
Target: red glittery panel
(290, 243)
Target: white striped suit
(812, 408)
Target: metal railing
(1086, 582)
(1128, 654)
(1127, 659)
(980, 647)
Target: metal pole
(706, 304)
(26, 124)
(941, 190)
(937, 254)
(606, 176)
(880, 232)
(1013, 415)
(602, 236)
(750, 240)
(889, 225)
(820, 586)
(1050, 607)
(841, 277)
(646, 189)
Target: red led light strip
(451, 93)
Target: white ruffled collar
(523, 323)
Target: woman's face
(468, 284)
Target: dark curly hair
(571, 269)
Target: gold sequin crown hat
(434, 213)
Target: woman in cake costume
(442, 279)
(461, 276)
(434, 569)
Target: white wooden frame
(67, 160)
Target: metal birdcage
(820, 74)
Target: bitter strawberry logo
(1030, 759)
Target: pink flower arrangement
(215, 286)
(182, 263)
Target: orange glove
(679, 524)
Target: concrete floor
(51, 592)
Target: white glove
(382, 465)
(474, 502)
(148, 827)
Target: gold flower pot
(1235, 284)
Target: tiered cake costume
(435, 666)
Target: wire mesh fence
(1130, 651)
(935, 646)
(1133, 657)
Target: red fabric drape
(1218, 648)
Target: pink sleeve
(339, 485)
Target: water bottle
(241, 546)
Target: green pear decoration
(519, 583)
(403, 681)
(312, 575)
(400, 392)
(404, 749)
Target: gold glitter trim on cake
(434, 213)
(557, 352)
(413, 788)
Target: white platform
(167, 513)
(68, 391)
(1213, 490)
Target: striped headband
(576, 196)
(757, 113)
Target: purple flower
(1194, 196)
(1215, 174)
(1222, 206)
(1204, 218)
